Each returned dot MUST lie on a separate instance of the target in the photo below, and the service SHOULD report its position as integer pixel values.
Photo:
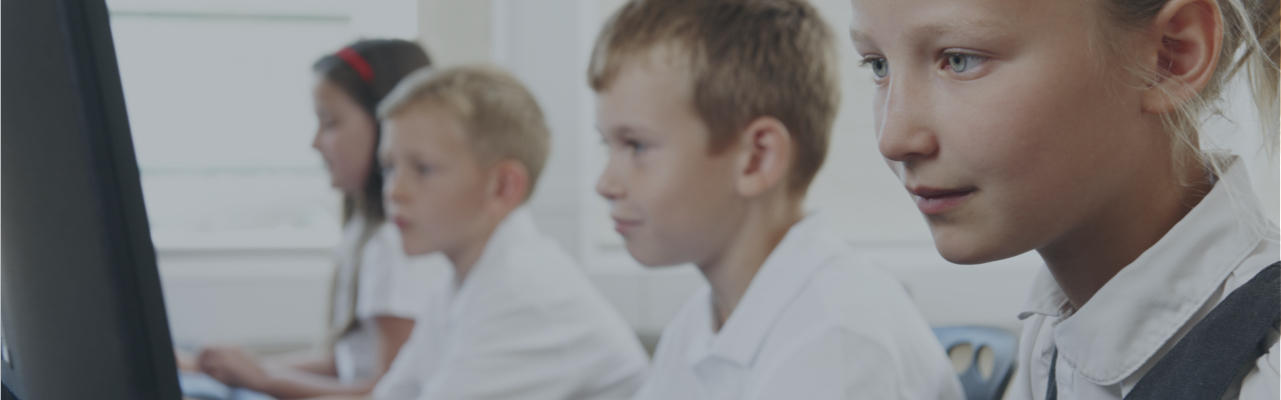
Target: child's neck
(729, 274)
(468, 251)
(1089, 256)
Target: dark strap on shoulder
(1052, 387)
(1204, 363)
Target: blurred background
(244, 220)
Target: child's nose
(607, 187)
(393, 189)
(315, 140)
(905, 133)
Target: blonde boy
(717, 115)
(462, 150)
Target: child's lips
(933, 201)
(624, 225)
(401, 223)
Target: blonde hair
(747, 59)
(501, 118)
(1250, 43)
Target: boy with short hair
(717, 114)
(462, 149)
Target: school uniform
(1109, 344)
(383, 282)
(814, 323)
(524, 324)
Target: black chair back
(1003, 346)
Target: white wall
(242, 215)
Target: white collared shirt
(525, 324)
(813, 324)
(1141, 313)
(390, 284)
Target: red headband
(357, 63)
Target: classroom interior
(244, 221)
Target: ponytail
(1260, 60)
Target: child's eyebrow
(963, 28)
(618, 131)
(859, 37)
(933, 30)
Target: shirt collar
(1141, 308)
(1045, 297)
(517, 227)
(805, 248)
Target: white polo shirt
(813, 324)
(391, 284)
(525, 324)
(1143, 311)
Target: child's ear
(510, 183)
(765, 156)
(1186, 37)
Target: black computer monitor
(82, 308)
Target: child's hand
(234, 367)
(186, 361)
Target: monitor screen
(83, 315)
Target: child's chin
(648, 257)
(418, 249)
(969, 252)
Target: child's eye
(423, 169)
(880, 67)
(961, 62)
(637, 147)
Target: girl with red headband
(377, 289)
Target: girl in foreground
(1071, 128)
